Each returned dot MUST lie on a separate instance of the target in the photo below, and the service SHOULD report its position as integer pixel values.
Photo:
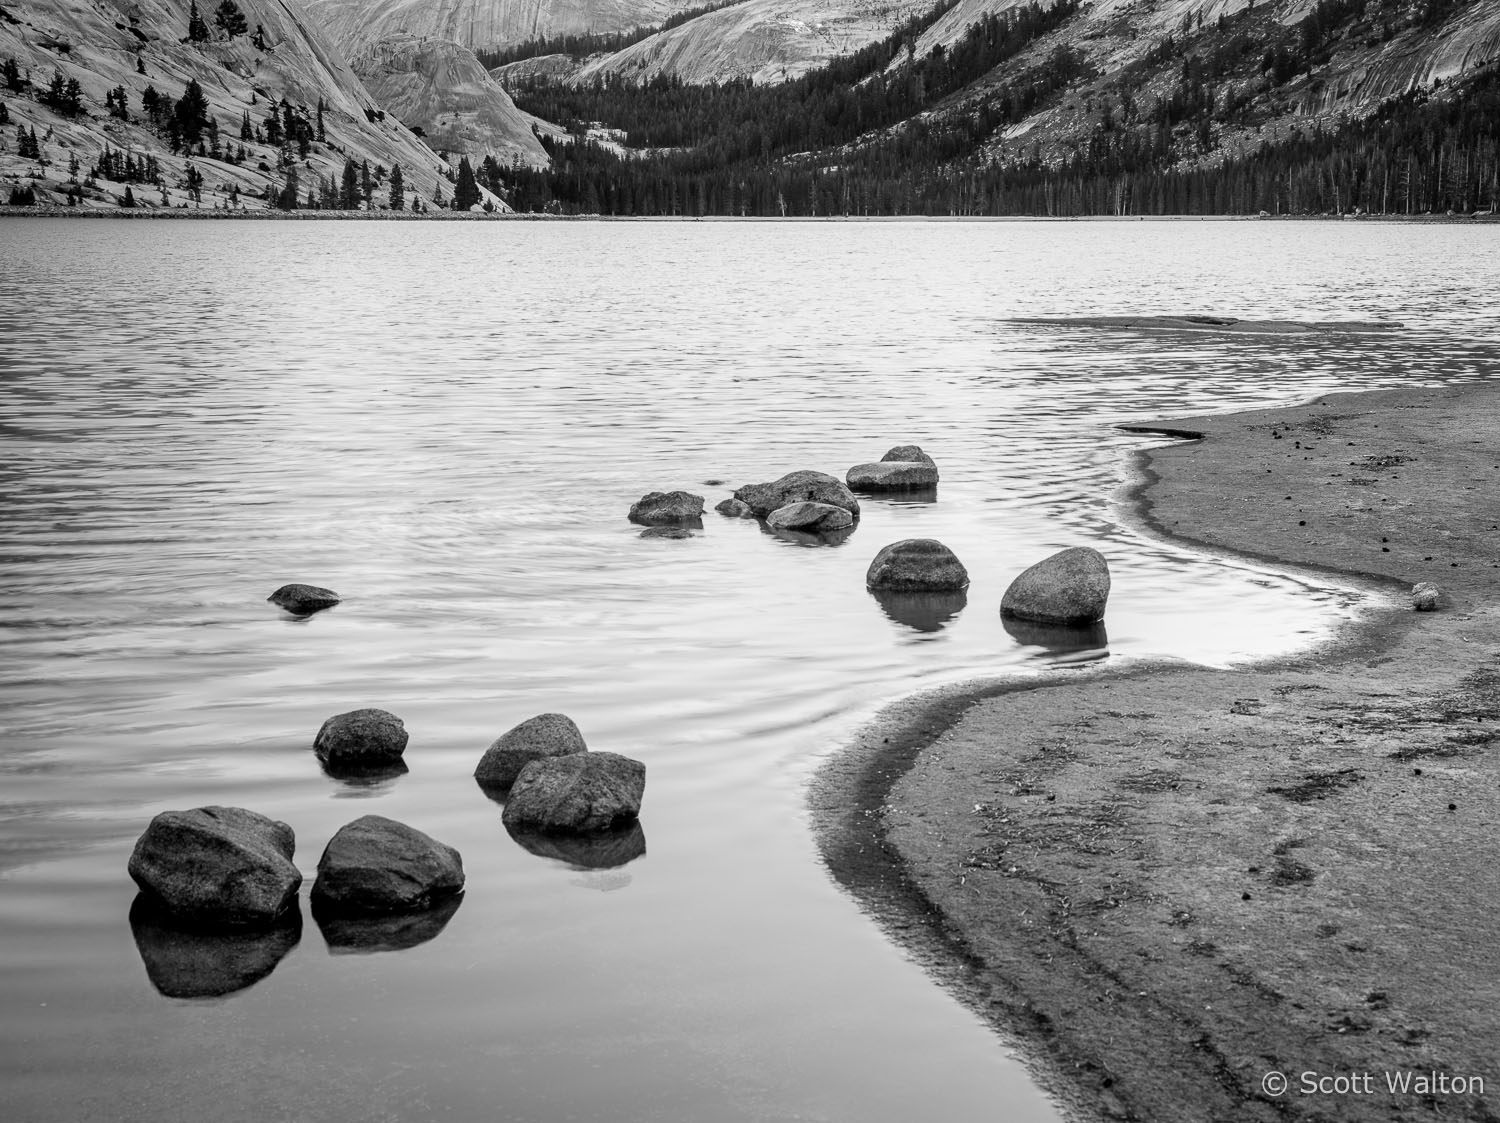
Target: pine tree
(229, 19)
(398, 189)
(287, 199)
(140, 65)
(258, 40)
(191, 114)
(349, 188)
(197, 29)
(129, 198)
(247, 131)
(322, 136)
(366, 184)
(4, 114)
(12, 75)
(466, 192)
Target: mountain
(1101, 107)
(275, 75)
(442, 88)
(356, 24)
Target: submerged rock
(579, 793)
(217, 866)
(190, 962)
(1425, 597)
(377, 865)
(917, 565)
(813, 518)
(1069, 587)
(735, 509)
(536, 738)
(348, 934)
(657, 508)
(796, 487)
(303, 600)
(601, 850)
(667, 532)
(361, 739)
(904, 468)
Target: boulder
(578, 793)
(917, 565)
(795, 487)
(735, 509)
(1069, 587)
(186, 961)
(377, 865)
(904, 468)
(360, 740)
(217, 866)
(892, 475)
(303, 600)
(666, 508)
(814, 518)
(1425, 596)
(536, 738)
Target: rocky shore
(1261, 893)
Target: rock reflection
(365, 935)
(367, 780)
(606, 850)
(804, 538)
(911, 497)
(186, 962)
(1069, 643)
(923, 612)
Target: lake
(446, 423)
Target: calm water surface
(447, 424)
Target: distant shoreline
(196, 215)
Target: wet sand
(1166, 882)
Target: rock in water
(578, 793)
(796, 487)
(360, 739)
(217, 866)
(536, 738)
(674, 532)
(917, 565)
(1070, 587)
(1425, 596)
(904, 468)
(667, 508)
(814, 518)
(303, 600)
(735, 509)
(377, 865)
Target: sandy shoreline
(1166, 882)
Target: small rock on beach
(377, 865)
(1069, 587)
(217, 866)
(1425, 596)
(536, 738)
(303, 600)
(579, 793)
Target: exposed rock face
(1425, 597)
(667, 508)
(361, 739)
(917, 565)
(303, 600)
(1070, 587)
(546, 735)
(735, 509)
(578, 793)
(814, 518)
(98, 41)
(217, 866)
(189, 962)
(796, 487)
(377, 865)
(440, 86)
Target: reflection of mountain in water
(924, 612)
(1068, 643)
(186, 962)
(365, 935)
(602, 851)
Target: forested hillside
(1219, 117)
